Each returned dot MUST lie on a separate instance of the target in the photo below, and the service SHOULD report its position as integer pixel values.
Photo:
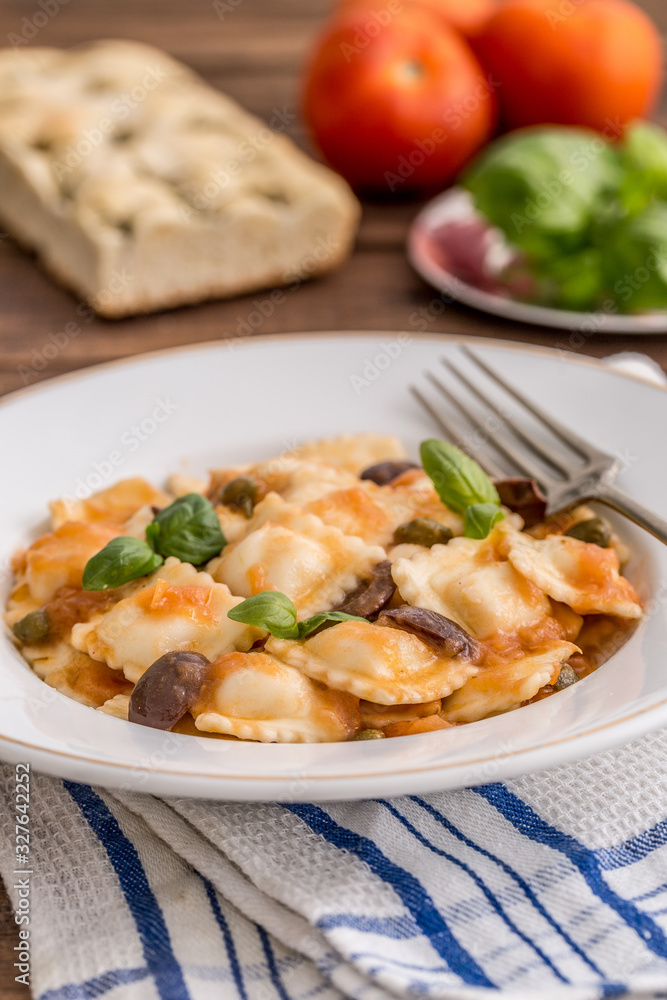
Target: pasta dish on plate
(336, 592)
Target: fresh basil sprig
(269, 610)
(463, 486)
(121, 560)
(479, 518)
(188, 529)
(310, 624)
(275, 613)
(458, 479)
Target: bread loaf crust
(141, 188)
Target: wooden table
(254, 53)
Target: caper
(370, 734)
(568, 675)
(34, 628)
(241, 494)
(423, 531)
(371, 595)
(594, 530)
(168, 690)
(386, 472)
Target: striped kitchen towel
(552, 886)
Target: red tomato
(397, 101)
(596, 63)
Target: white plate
(215, 404)
(456, 204)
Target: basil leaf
(121, 560)
(458, 479)
(310, 624)
(275, 613)
(188, 529)
(269, 610)
(479, 518)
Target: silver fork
(564, 481)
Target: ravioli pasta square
(583, 576)
(382, 665)
(287, 550)
(254, 696)
(165, 616)
(507, 685)
(375, 512)
(468, 582)
(112, 506)
(354, 452)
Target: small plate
(430, 258)
(193, 408)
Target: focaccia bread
(141, 188)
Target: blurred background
(257, 51)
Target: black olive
(385, 472)
(444, 636)
(168, 689)
(372, 595)
(523, 497)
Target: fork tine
(543, 451)
(521, 462)
(452, 433)
(585, 450)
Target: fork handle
(609, 494)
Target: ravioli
(375, 512)
(301, 482)
(469, 583)
(88, 681)
(579, 574)
(376, 716)
(296, 479)
(118, 707)
(111, 506)
(383, 665)
(162, 616)
(315, 564)
(58, 559)
(353, 452)
(507, 685)
(256, 697)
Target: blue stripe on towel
(98, 986)
(234, 963)
(523, 885)
(651, 894)
(405, 885)
(633, 850)
(271, 963)
(528, 823)
(424, 969)
(400, 928)
(490, 897)
(143, 905)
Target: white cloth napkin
(553, 885)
